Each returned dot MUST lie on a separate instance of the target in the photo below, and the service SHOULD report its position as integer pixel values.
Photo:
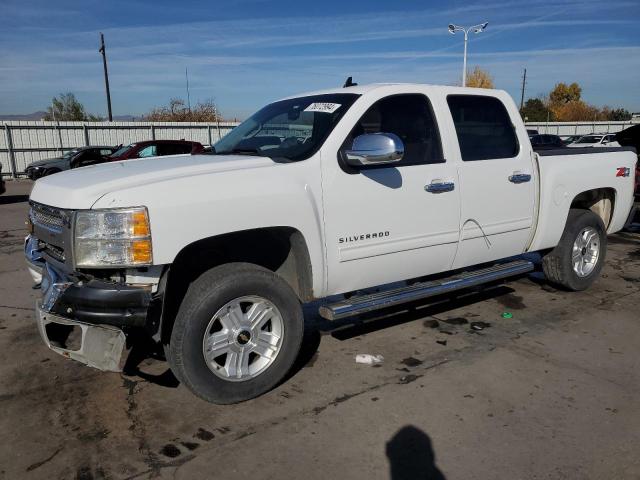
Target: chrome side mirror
(375, 149)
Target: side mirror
(375, 149)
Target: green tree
(534, 110)
(617, 114)
(66, 107)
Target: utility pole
(524, 81)
(103, 51)
(186, 74)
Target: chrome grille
(46, 216)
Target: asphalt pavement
(551, 392)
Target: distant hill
(40, 116)
(26, 116)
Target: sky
(245, 53)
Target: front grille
(52, 227)
(47, 217)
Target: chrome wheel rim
(243, 338)
(586, 251)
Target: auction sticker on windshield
(324, 107)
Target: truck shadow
(315, 327)
(346, 329)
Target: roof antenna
(349, 83)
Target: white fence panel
(24, 142)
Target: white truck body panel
(486, 217)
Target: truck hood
(81, 188)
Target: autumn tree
(563, 93)
(479, 78)
(66, 107)
(177, 111)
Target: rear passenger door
(497, 179)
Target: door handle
(520, 177)
(439, 187)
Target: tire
(214, 308)
(561, 267)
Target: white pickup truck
(314, 196)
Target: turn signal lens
(141, 224)
(141, 251)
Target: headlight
(113, 238)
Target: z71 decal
(623, 172)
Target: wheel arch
(600, 201)
(281, 249)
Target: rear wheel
(237, 333)
(578, 258)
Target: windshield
(122, 150)
(70, 154)
(590, 139)
(291, 129)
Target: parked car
(156, 148)
(324, 194)
(78, 157)
(568, 139)
(546, 142)
(532, 131)
(595, 140)
(3, 187)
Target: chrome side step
(418, 291)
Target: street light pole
(475, 29)
(102, 50)
(464, 60)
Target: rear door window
(483, 127)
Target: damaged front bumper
(100, 346)
(85, 318)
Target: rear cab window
(483, 127)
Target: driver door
(391, 222)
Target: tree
(479, 78)
(177, 111)
(534, 110)
(563, 93)
(576, 111)
(616, 114)
(68, 108)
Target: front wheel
(237, 333)
(578, 258)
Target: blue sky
(244, 53)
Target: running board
(418, 291)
